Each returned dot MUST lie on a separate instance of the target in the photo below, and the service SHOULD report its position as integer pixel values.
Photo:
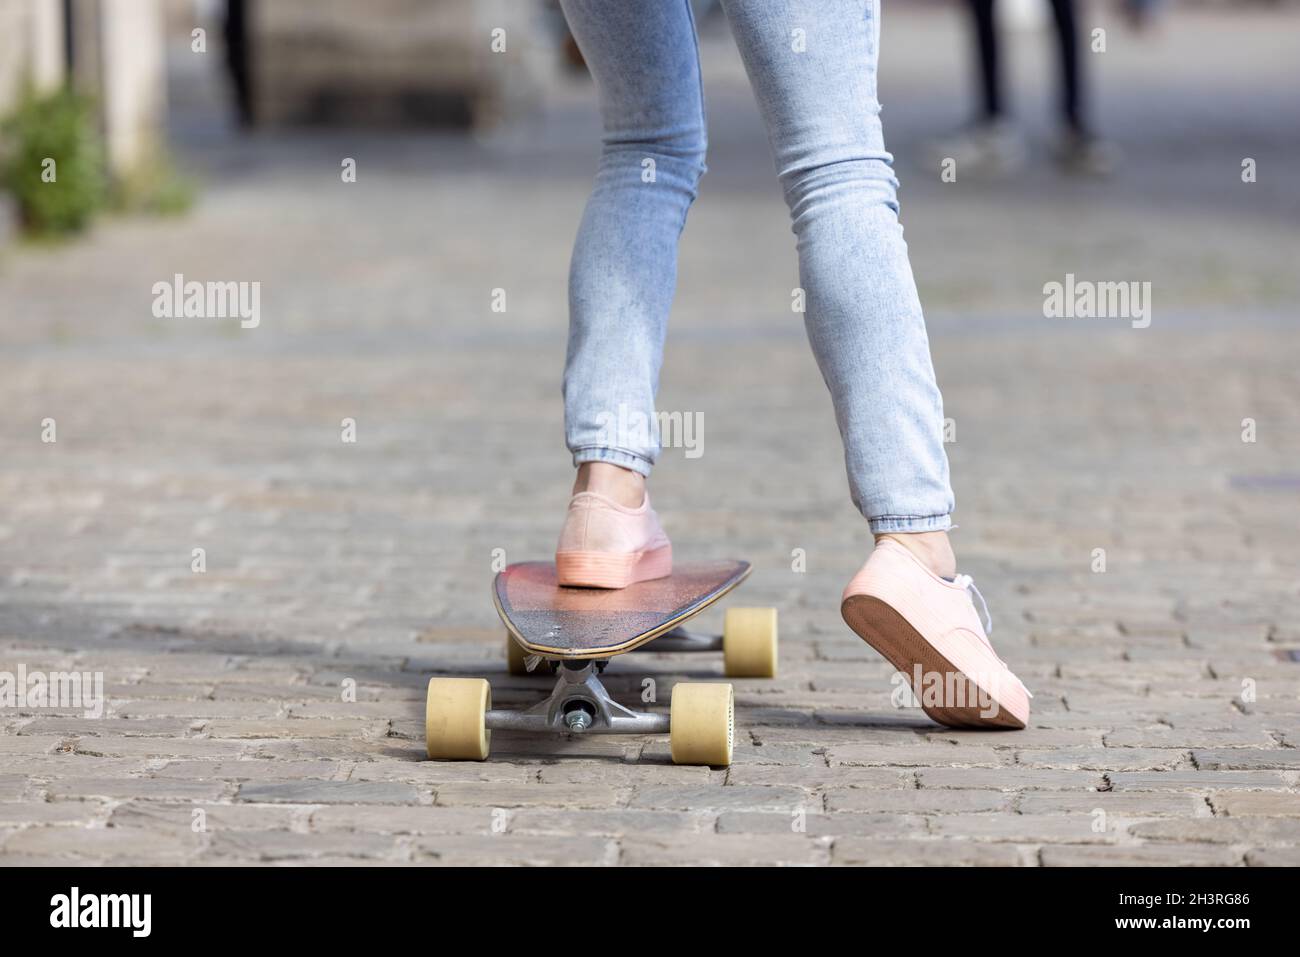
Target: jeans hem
(910, 523)
(621, 457)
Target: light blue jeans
(812, 65)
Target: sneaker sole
(885, 629)
(611, 570)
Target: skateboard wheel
(702, 723)
(516, 660)
(455, 718)
(749, 642)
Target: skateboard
(573, 633)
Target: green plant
(154, 185)
(53, 162)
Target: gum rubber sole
(612, 570)
(887, 631)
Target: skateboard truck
(578, 703)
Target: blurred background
(172, 96)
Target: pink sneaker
(928, 629)
(607, 545)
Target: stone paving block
(1105, 759)
(351, 729)
(820, 824)
(114, 726)
(13, 787)
(733, 798)
(1145, 855)
(917, 801)
(156, 816)
(1187, 738)
(609, 823)
(190, 711)
(19, 744)
(21, 814)
(1195, 780)
(796, 755)
(505, 795)
(1032, 737)
(341, 748)
(1251, 803)
(1129, 804)
(379, 710)
(1273, 857)
(903, 733)
(424, 772)
(103, 843)
(261, 845)
(1029, 828)
(108, 746)
(162, 789)
(822, 777)
(252, 770)
(1244, 759)
(1267, 831)
(333, 792)
(1009, 779)
(704, 850)
(606, 774)
(459, 850)
(928, 755)
(390, 819)
(926, 852)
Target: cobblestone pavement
(1167, 712)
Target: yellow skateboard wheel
(516, 660)
(455, 718)
(702, 723)
(749, 640)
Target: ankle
(932, 548)
(624, 486)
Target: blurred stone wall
(389, 61)
(31, 47)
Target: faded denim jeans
(812, 66)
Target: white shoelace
(966, 582)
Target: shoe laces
(968, 583)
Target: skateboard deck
(582, 623)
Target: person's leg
(986, 59)
(1067, 44)
(813, 69)
(645, 62)
(989, 143)
(1078, 148)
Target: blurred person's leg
(645, 62)
(1078, 147)
(1067, 44)
(989, 143)
(988, 63)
